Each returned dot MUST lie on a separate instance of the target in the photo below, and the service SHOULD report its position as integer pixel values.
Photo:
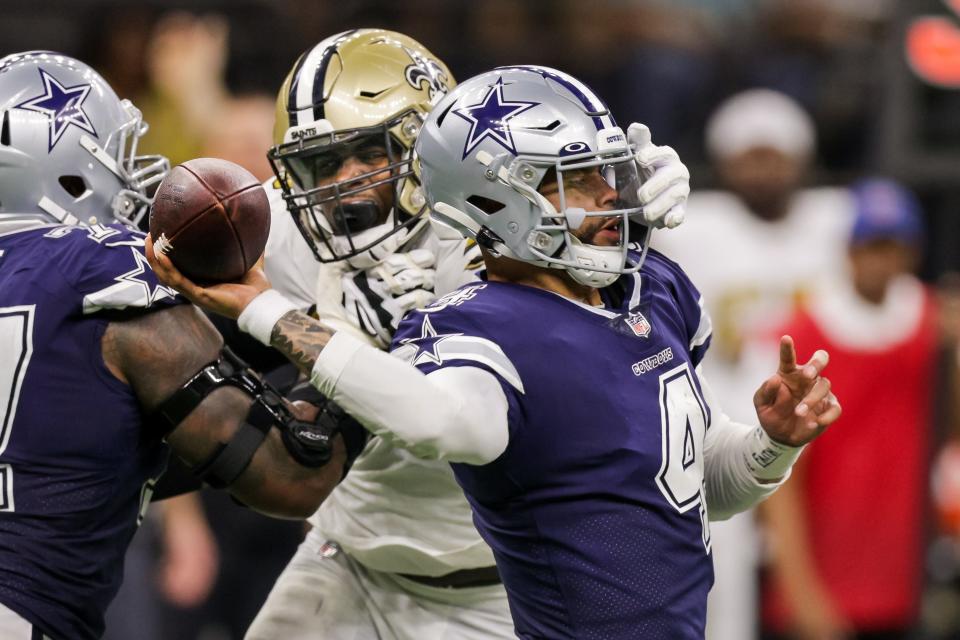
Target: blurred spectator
(754, 250)
(847, 530)
(186, 62)
(242, 132)
(254, 549)
(176, 532)
(190, 560)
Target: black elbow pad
(330, 420)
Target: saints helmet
(487, 147)
(68, 145)
(353, 88)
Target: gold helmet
(359, 94)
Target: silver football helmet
(487, 147)
(68, 145)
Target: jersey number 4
(16, 345)
(683, 423)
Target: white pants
(13, 627)
(732, 608)
(325, 594)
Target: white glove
(376, 299)
(663, 194)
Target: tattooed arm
(156, 353)
(457, 414)
(300, 338)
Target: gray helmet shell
(486, 147)
(68, 145)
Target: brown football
(211, 217)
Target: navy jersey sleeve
(107, 267)
(696, 319)
(442, 335)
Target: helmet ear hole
(74, 185)
(5, 129)
(443, 115)
(486, 205)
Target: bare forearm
(792, 558)
(273, 482)
(276, 485)
(300, 338)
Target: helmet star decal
(63, 105)
(488, 119)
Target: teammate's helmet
(355, 87)
(68, 145)
(486, 148)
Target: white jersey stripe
(468, 348)
(704, 330)
(308, 76)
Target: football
(211, 217)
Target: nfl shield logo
(638, 324)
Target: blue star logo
(426, 344)
(63, 105)
(488, 119)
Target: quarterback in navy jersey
(565, 387)
(594, 394)
(104, 368)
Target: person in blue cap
(846, 530)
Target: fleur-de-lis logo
(426, 70)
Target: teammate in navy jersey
(565, 387)
(102, 366)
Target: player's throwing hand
(227, 298)
(795, 405)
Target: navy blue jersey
(74, 469)
(595, 511)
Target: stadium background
(882, 106)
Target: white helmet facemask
(554, 241)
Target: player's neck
(554, 280)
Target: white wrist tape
(262, 314)
(769, 460)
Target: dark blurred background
(663, 62)
(880, 79)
